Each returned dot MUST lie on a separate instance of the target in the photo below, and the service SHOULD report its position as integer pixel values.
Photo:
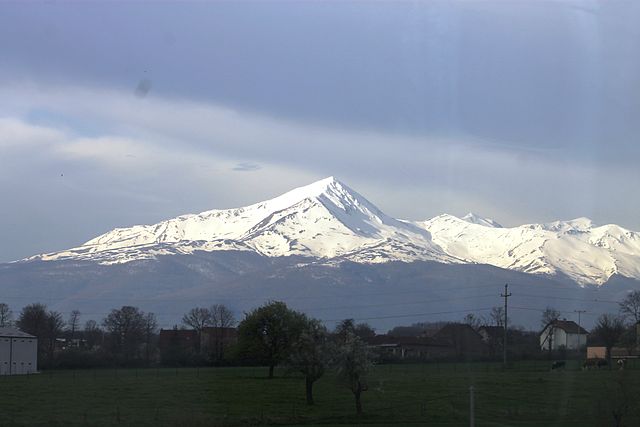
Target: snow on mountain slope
(477, 219)
(327, 220)
(577, 249)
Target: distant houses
(18, 352)
(450, 341)
(563, 334)
(460, 341)
(463, 341)
(625, 350)
(391, 348)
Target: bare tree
(609, 329)
(126, 328)
(73, 324)
(497, 316)
(150, 326)
(221, 316)
(6, 315)
(472, 320)
(198, 318)
(54, 327)
(630, 306)
(92, 333)
(549, 315)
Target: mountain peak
(479, 220)
(573, 225)
(317, 188)
(329, 187)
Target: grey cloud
(522, 111)
(246, 167)
(456, 173)
(526, 73)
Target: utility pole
(472, 415)
(579, 326)
(505, 295)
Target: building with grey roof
(18, 352)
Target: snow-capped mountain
(585, 253)
(477, 219)
(329, 222)
(323, 220)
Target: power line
(541, 310)
(398, 303)
(199, 299)
(571, 299)
(412, 315)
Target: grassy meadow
(527, 394)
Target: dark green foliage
(126, 329)
(267, 334)
(34, 319)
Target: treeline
(125, 337)
(271, 335)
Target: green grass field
(528, 394)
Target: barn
(18, 352)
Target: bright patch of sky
(114, 114)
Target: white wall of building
(561, 339)
(5, 355)
(18, 355)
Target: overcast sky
(114, 114)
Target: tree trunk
(356, 394)
(617, 418)
(309, 387)
(608, 356)
(271, 371)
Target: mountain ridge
(329, 221)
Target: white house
(561, 334)
(18, 352)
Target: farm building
(464, 341)
(563, 334)
(390, 347)
(18, 352)
(450, 341)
